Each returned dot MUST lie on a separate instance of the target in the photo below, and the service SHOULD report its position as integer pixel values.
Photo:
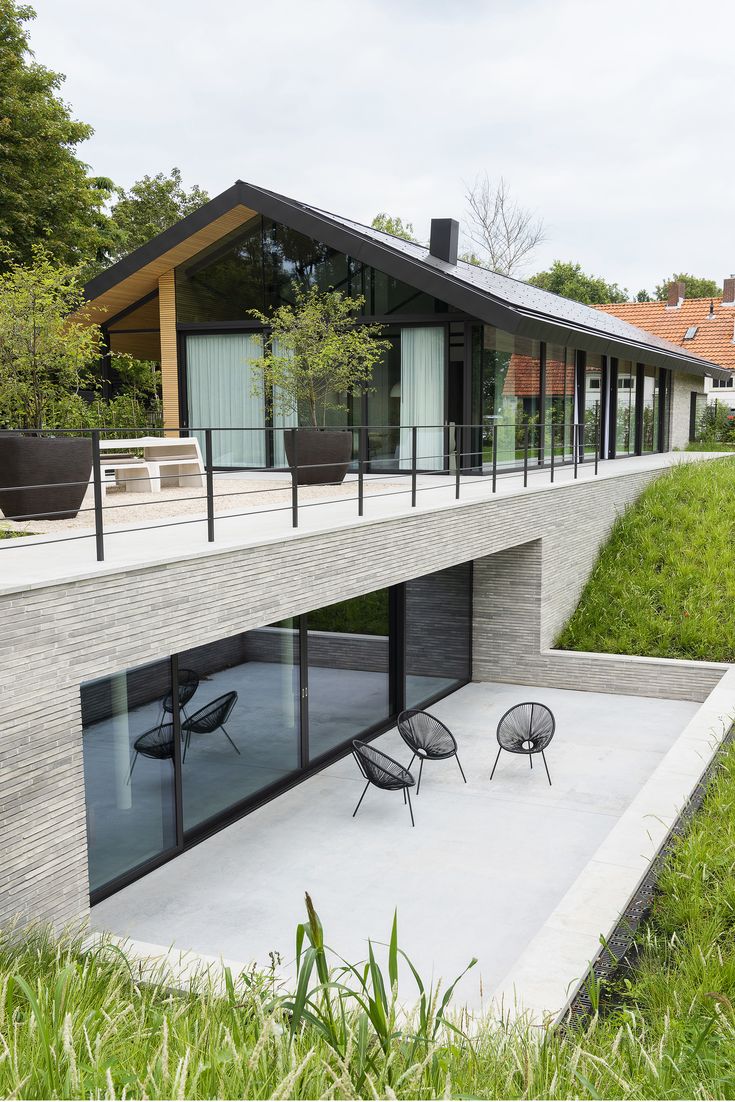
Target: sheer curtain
(422, 396)
(281, 420)
(219, 377)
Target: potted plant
(315, 355)
(46, 360)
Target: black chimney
(444, 239)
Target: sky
(612, 122)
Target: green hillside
(664, 584)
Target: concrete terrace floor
(479, 875)
(42, 560)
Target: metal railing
(468, 451)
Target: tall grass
(664, 584)
(82, 1025)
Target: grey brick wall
(55, 637)
(681, 390)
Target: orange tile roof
(713, 339)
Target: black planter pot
(46, 461)
(322, 455)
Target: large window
(625, 425)
(240, 728)
(128, 745)
(437, 632)
(559, 406)
(348, 664)
(651, 409)
(594, 382)
(506, 373)
(220, 373)
(175, 748)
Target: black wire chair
(428, 739)
(526, 729)
(212, 717)
(378, 769)
(157, 743)
(188, 685)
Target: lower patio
(481, 873)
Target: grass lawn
(664, 584)
(76, 1026)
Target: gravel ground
(170, 502)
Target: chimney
(444, 239)
(676, 294)
(728, 292)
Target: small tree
(46, 357)
(316, 353)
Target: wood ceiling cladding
(144, 317)
(145, 279)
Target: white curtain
(281, 420)
(220, 376)
(422, 397)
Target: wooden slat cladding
(142, 282)
(144, 317)
(169, 358)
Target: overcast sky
(613, 121)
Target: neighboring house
(703, 326)
(467, 346)
(281, 645)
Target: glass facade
(511, 392)
(506, 373)
(128, 750)
(173, 748)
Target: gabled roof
(497, 300)
(715, 333)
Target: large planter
(46, 461)
(322, 455)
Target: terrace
(522, 875)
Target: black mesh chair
(428, 739)
(378, 769)
(157, 743)
(212, 717)
(188, 685)
(526, 729)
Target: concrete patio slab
(481, 875)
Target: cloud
(611, 121)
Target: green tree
(316, 354)
(389, 223)
(46, 194)
(47, 349)
(695, 287)
(150, 206)
(567, 279)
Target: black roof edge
(432, 280)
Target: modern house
(467, 347)
(703, 326)
(154, 698)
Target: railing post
(294, 479)
(525, 458)
(97, 477)
(551, 432)
(575, 441)
(457, 459)
(414, 438)
(495, 457)
(360, 468)
(210, 484)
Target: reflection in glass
(384, 407)
(437, 632)
(240, 728)
(626, 417)
(348, 670)
(593, 383)
(127, 741)
(650, 410)
(559, 410)
(507, 379)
